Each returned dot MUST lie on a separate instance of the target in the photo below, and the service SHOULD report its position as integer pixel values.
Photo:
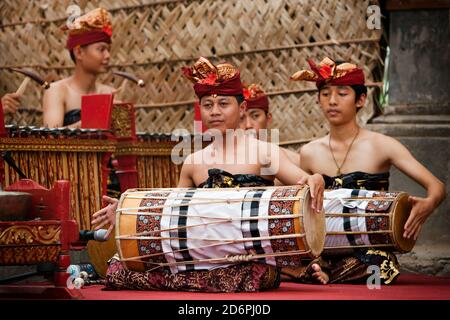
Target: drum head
(400, 214)
(126, 225)
(314, 225)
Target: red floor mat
(408, 287)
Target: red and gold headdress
(208, 79)
(94, 26)
(256, 97)
(327, 72)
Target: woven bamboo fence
(267, 40)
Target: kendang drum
(366, 219)
(203, 229)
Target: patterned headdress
(327, 72)
(255, 97)
(209, 79)
(94, 26)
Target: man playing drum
(222, 104)
(220, 93)
(356, 158)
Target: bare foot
(319, 274)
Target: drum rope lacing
(228, 258)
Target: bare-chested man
(222, 105)
(89, 44)
(233, 158)
(353, 157)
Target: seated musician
(88, 42)
(356, 158)
(221, 102)
(258, 117)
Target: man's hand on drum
(107, 215)
(421, 210)
(316, 188)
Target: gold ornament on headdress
(96, 19)
(204, 71)
(326, 69)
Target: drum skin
(399, 216)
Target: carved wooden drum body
(203, 229)
(366, 219)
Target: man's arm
(53, 107)
(294, 157)
(305, 158)
(401, 158)
(289, 174)
(186, 180)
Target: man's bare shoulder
(195, 157)
(313, 146)
(378, 139)
(58, 85)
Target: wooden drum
(203, 229)
(366, 219)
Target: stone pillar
(418, 115)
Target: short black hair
(240, 98)
(72, 56)
(359, 89)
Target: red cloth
(231, 87)
(255, 97)
(81, 39)
(198, 125)
(258, 103)
(2, 122)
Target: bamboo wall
(268, 40)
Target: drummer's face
(221, 112)
(95, 57)
(255, 119)
(338, 103)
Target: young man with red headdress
(88, 42)
(224, 163)
(258, 117)
(356, 158)
(222, 105)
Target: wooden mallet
(29, 75)
(129, 76)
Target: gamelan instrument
(366, 219)
(202, 229)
